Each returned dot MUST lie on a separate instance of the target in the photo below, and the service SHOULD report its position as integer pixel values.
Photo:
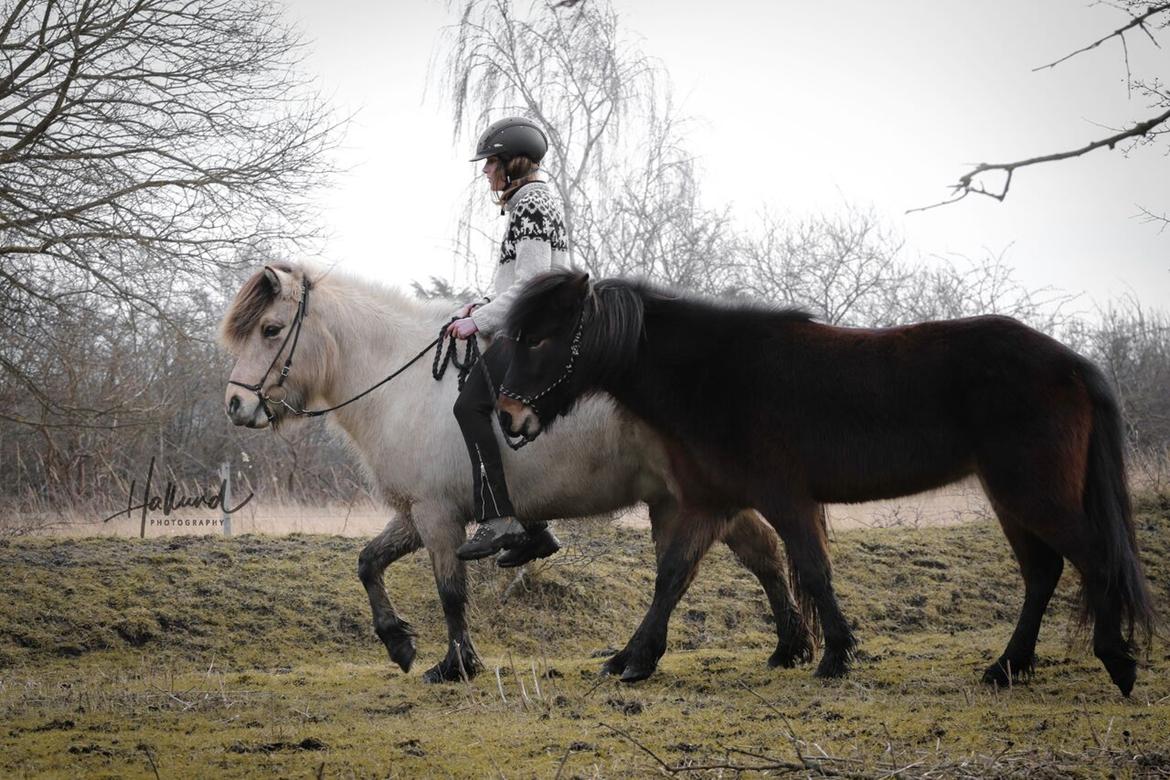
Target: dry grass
(960, 503)
(254, 656)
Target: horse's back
(878, 413)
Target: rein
(278, 394)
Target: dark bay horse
(766, 408)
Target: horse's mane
(355, 296)
(615, 312)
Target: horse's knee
(368, 568)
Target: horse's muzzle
(245, 408)
(516, 419)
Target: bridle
(278, 393)
(574, 353)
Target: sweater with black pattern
(534, 241)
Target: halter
(278, 393)
(574, 353)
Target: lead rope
(451, 357)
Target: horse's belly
(589, 464)
(880, 467)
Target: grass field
(254, 656)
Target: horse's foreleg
(398, 539)
(678, 562)
(442, 537)
(802, 528)
(756, 546)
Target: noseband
(574, 353)
(277, 393)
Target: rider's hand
(462, 328)
(464, 310)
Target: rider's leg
(498, 528)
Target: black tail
(1107, 505)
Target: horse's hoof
(996, 675)
(442, 672)
(832, 666)
(783, 659)
(403, 654)
(434, 675)
(787, 657)
(635, 672)
(615, 665)
(1003, 672)
(1123, 672)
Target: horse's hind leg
(442, 536)
(802, 527)
(756, 546)
(398, 539)
(1041, 567)
(679, 554)
(1063, 528)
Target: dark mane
(250, 303)
(615, 311)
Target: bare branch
(967, 184)
(1136, 22)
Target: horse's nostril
(505, 421)
(234, 404)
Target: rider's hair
(520, 171)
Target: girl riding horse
(534, 241)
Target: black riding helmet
(511, 137)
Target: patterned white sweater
(534, 241)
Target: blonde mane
(348, 297)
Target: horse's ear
(273, 280)
(580, 284)
(284, 281)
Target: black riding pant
(475, 410)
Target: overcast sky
(802, 107)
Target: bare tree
(1144, 18)
(844, 267)
(656, 224)
(960, 286)
(628, 186)
(145, 143)
(1132, 344)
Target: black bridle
(574, 353)
(278, 394)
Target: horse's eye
(271, 331)
(533, 341)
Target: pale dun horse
(405, 436)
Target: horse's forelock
(534, 299)
(250, 303)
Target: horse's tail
(1107, 505)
